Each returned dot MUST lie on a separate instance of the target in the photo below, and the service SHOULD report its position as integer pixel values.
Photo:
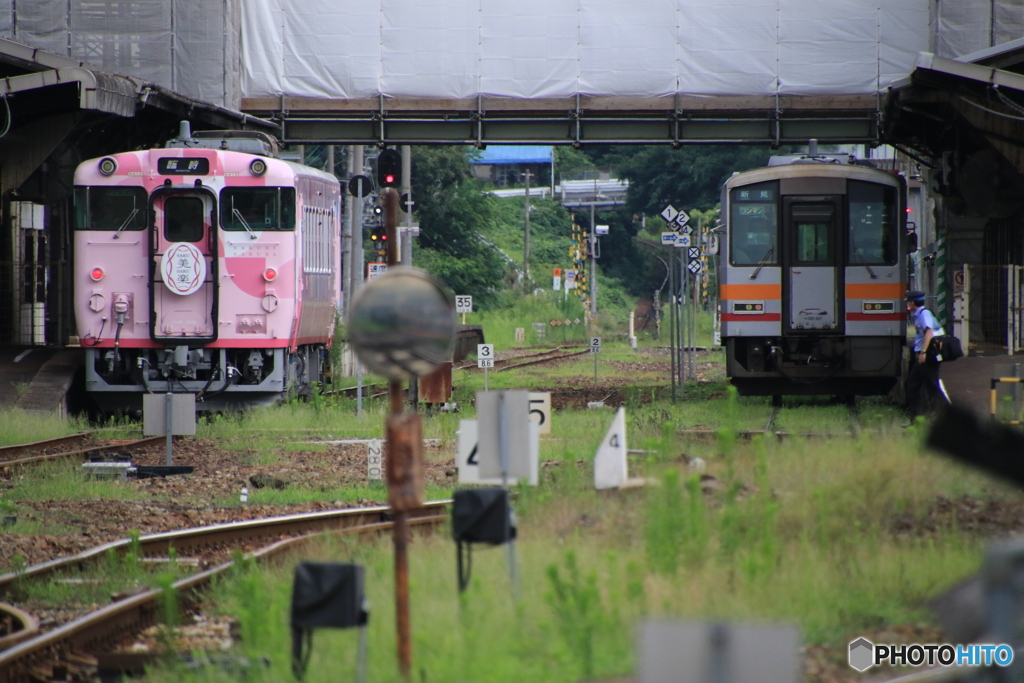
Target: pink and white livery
(209, 266)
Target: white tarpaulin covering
(560, 48)
(221, 50)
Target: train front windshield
(257, 208)
(753, 225)
(110, 208)
(874, 238)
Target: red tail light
(269, 274)
(96, 274)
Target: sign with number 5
(463, 303)
(540, 411)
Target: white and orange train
(209, 266)
(813, 277)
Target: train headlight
(269, 274)
(258, 167)
(96, 274)
(108, 166)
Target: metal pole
(526, 234)
(593, 262)
(693, 334)
(503, 456)
(684, 328)
(357, 244)
(414, 386)
(356, 275)
(169, 407)
(681, 321)
(389, 198)
(672, 314)
(349, 240)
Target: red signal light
(96, 274)
(269, 274)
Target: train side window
(110, 208)
(183, 219)
(257, 208)
(753, 225)
(874, 238)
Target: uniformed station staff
(923, 388)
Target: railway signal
(389, 167)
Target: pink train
(210, 267)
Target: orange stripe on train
(766, 292)
(875, 290)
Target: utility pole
(413, 397)
(526, 233)
(355, 271)
(349, 240)
(593, 258)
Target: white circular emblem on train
(183, 267)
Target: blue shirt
(923, 320)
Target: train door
(183, 283)
(811, 227)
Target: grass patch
(19, 426)
(798, 531)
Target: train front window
(812, 230)
(257, 209)
(183, 219)
(110, 208)
(874, 238)
(753, 225)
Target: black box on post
(482, 516)
(327, 595)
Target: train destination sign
(183, 166)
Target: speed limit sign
(595, 345)
(485, 355)
(463, 303)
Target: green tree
(690, 177)
(451, 210)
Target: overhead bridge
(576, 72)
(771, 120)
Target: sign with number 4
(463, 303)
(595, 345)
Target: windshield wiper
(764, 260)
(238, 214)
(864, 262)
(125, 224)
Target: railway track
(65, 447)
(555, 354)
(79, 648)
(769, 429)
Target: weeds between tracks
(844, 536)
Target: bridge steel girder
(770, 120)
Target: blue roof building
(504, 165)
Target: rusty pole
(389, 199)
